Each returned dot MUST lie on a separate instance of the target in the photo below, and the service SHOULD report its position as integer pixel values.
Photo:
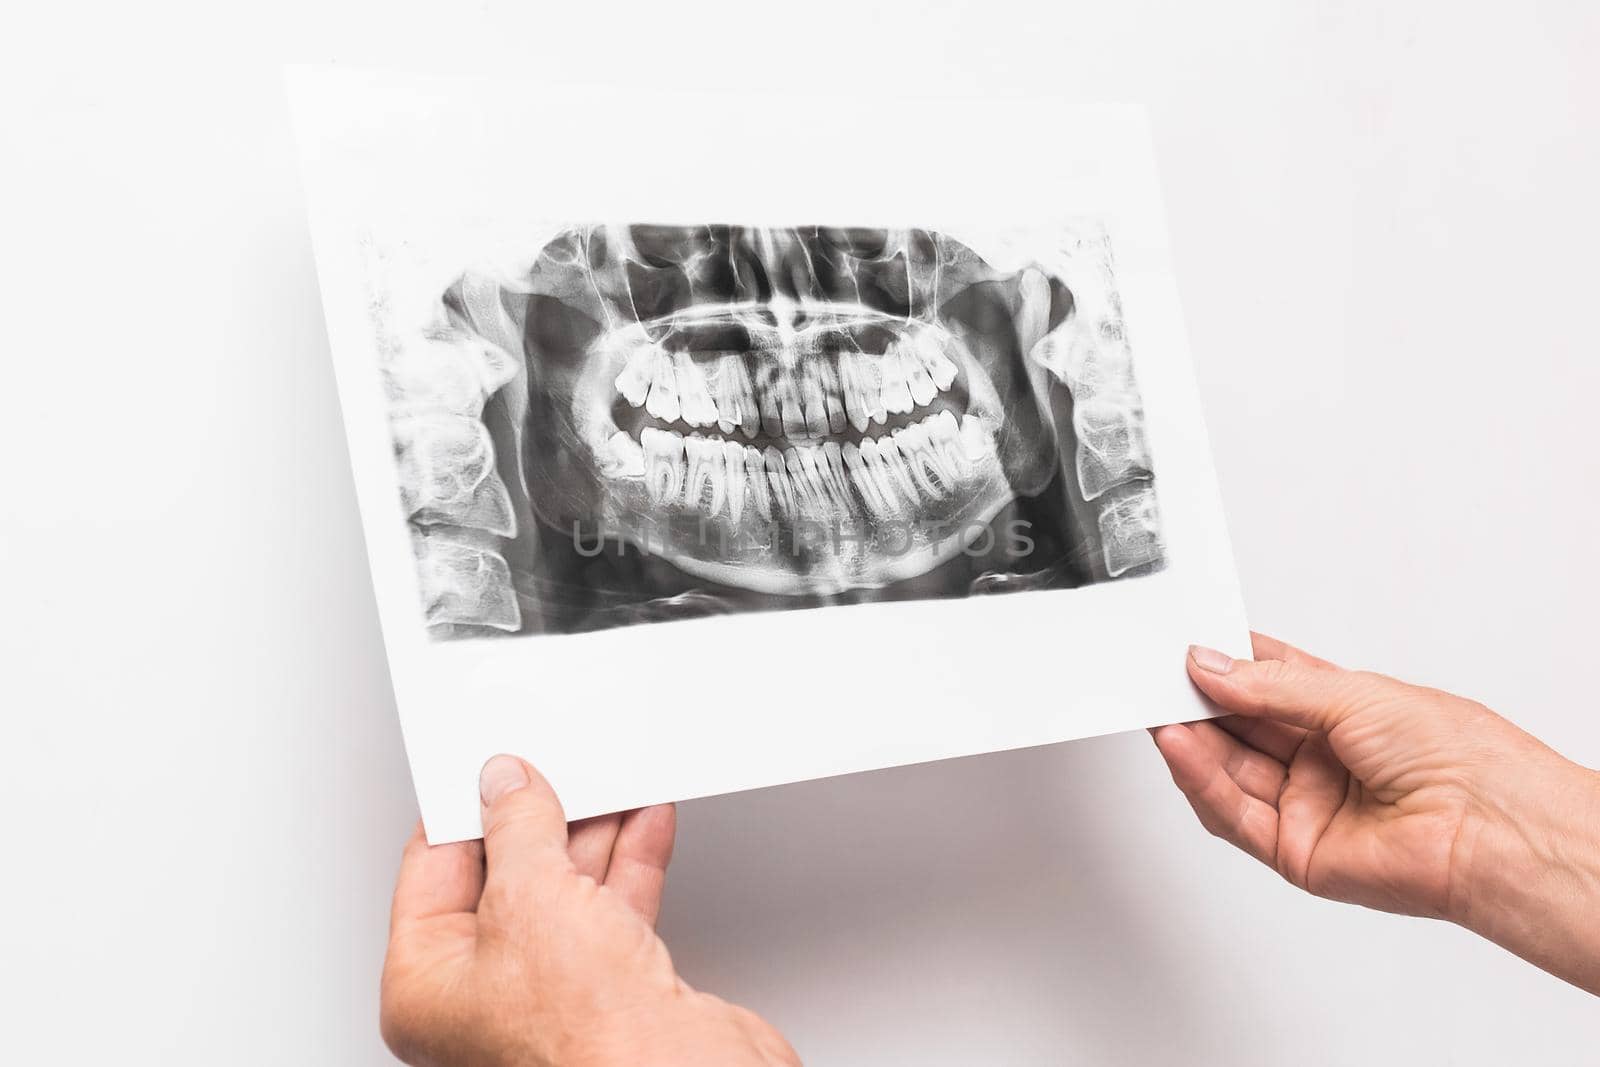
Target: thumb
(1305, 694)
(524, 828)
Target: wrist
(1528, 860)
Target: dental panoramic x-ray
(651, 422)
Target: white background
(1384, 224)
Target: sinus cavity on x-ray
(641, 423)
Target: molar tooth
(622, 457)
(873, 458)
(899, 471)
(834, 476)
(896, 393)
(733, 462)
(921, 386)
(634, 380)
(711, 459)
(663, 398)
(977, 440)
(664, 453)
(693, 399)
(864, 480)
(778, 482)
(756, 481)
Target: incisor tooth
(856, 405)
(778, 482)
(771, 420)
(830, 394)
(808, 491)
(816, 407)
(634, 380)
(733, 461)
(794, 418)
(756, 479)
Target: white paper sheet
(469, 232)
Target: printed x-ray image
(649, 422)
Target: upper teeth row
(810, 398)
(885, 475)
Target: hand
(1364, 789)
(537, 947)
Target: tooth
(623, 457)
(736, 401)
(756, 479)
(938, 365)
(778, 482)
(855, 393)
(922, 390)
(634, 380)
(977, 440)
(816, 408)
(896, 393)
(663, 453)
(663, 399)
(830, 394)
(693, 399)
(711, 457)
(864, 480)
(771, 420)
(809, 494)
(895, 464)
(794, 419)
(733, 462)
(705, 469)
(872, 457)
(945, 432)
(918, 450)
(834, 476)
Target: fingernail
(501, 775)
(1209, 659)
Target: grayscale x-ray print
(650, 422)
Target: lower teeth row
(883, 477)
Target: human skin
(536, 947)
(1361, 788)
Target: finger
(638, 870)
(1257, 773)
(1311, 698)
(589, 843)
(1316, 790)
(1223, 808)
(524, 828)
(1266, 647)
(436, 879)
(1277, 739)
